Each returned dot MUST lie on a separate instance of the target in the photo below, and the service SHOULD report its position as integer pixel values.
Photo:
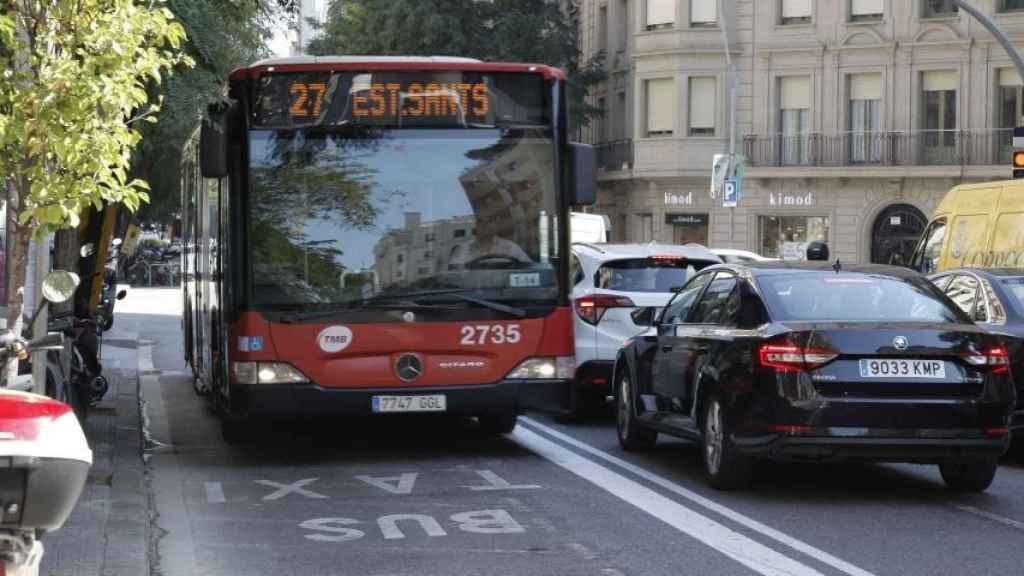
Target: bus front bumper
(312, 401)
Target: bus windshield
(341, 215)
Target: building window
(865, 118)
(423, 271)
(661, 108)
(623, 26)
(1011, 100)
(703, 97)
(938, 9)
(866, 10)
(787, 237)
(795, 119)
(427, 255)
(460, 234)
(1011, 5)
(602, 29)
(431, 237)
(939, 116)
(601, 130)
(399, 259)
(660, 14)
(703, 13)
(796, 12)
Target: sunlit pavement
(428, 496)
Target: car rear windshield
(1015, 286)
(824, 297)
(658, 274)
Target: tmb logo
(334, 339)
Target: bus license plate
(907, 369)
(389, 404)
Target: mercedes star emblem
(408, 368)
(409, 316)
(900, 343)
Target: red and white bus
(380, 235)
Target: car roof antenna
(838, 267)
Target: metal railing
(896, 148)
(615, 155)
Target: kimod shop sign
(678, 199)
(782, 199)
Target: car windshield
(343, 215)
(827, 296)
(658, 274)
(1015, 287)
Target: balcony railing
(615, 155)
(910, 148)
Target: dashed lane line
(706, 503)
(732, 544)
(991, 516)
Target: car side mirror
(584, 174)
(121, 294)
(646, 317)
(213, 143)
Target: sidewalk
(108, 533)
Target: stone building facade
(856, 117)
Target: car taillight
(998, 359)
(793, 358)
(592, 308)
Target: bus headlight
(266, 373)
(545, 368)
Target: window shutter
(866, 7)
(795, 93)
(866, 87)
(661, 110)
(703, 100)
(938, 80)
(796, 8)
(661, 12)
(703, 11)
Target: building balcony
(615, 156)
(953, 153)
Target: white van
(589, 228)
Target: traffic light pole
(996, 31)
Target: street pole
(731, 72)
(996, 31)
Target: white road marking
(296, 487)
(389, 525)
(495, 482)
(994, 517)
(706, 503)
(403, 484)
(214, 492)
(583, 551)
(732, 544)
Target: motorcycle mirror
(59, 286)
(122, 294)
(86, 250)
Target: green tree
(222, 35)
(72, 95)
(501, 30)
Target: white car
(739, 256)
(618, 291)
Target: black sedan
(994, 299)
(818, 362)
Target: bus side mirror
(584, 174)
(213, 144)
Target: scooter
(44, 450)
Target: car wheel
(632, 435)
(500, 423)
(969, 475)
(725, 467)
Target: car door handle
(666, 348)
(701, 349)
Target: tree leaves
(76, 73)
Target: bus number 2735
(482, 334)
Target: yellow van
(976, 225)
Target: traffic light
(1018, 152)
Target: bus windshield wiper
(459, 293)
(354, 306)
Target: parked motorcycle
(46, 455)
(108, 296)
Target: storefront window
(787, 237)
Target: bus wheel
(498, 423)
